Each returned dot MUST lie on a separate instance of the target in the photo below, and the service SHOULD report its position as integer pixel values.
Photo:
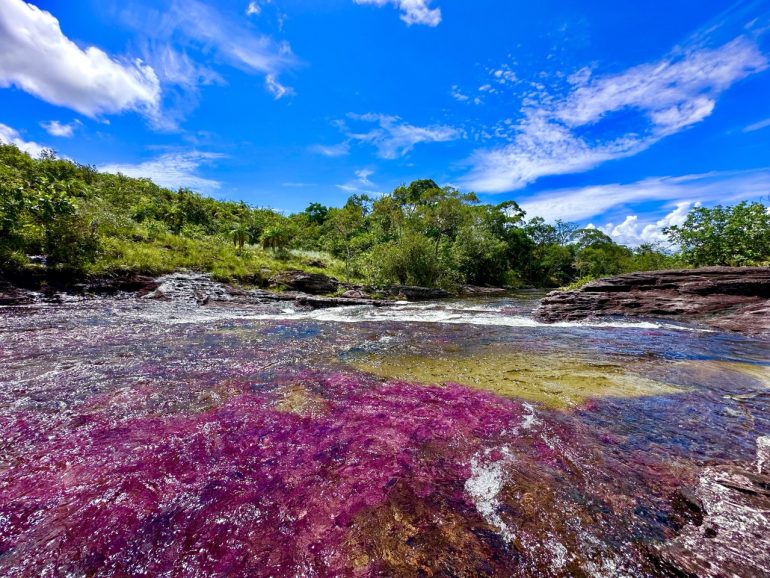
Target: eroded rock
(312, 283)
(730, 523)
(728, 298)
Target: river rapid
(458, 438)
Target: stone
(475, 291)
(355, 294)
(727, 298)
(731, 506)
(312, 283)
(414, 293)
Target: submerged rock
(728, 298)
(551, 379)
(730, 523)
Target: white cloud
(192, 27)
(338, 150)
(665, 97)
(757, 125)
(632, 232)
(9, 135)
(412, 11)
(576, 204)
(363, 176)
(395, 138)
(56, 128)
(172, 170)
(458, 95)
(38, 58)
(277, 89)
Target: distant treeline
(66, 217)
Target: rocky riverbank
(726, 298)
(307, 289)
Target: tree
(276, 237)
(738, 235)
(240, 234)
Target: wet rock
(355, 294)
(197, 288)
(312, 283)
(728, 537)
(322, 302)
(728, 298)
(141, 284)
(475, 291)
(12, 295)
(414, 293)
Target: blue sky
(623, 118)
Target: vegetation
(738, 235)
(61, 216)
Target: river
(456, 438)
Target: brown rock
(312, 283)
(730, 533)
(728, 298)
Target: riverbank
(725, 298)
(306, 288)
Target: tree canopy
(73, 218)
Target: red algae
(247, 490)
(185, 444)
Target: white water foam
(364, 314)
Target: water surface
(461, 438)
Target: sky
(619, 116)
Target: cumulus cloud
(172, 170)
(412, 11)
(633, 232)
(38, 58)
(580, 203)
(56, 128)
(395, 138)
(662, 98)
(9, 135)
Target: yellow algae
(555, 380)
(297, 399)
(722, 374)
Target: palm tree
(240, 234)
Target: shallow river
(145, 438)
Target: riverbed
(452, 438)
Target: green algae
(554, 380)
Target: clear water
(144, 438)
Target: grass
(167, 253)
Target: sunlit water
(144, 438)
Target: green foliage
(738, 235)
(73, 218)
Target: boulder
(12, 295)
(728, 298)
(311, 283)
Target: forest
(60, 216)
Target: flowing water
(146, 438)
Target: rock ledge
(727, 298)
